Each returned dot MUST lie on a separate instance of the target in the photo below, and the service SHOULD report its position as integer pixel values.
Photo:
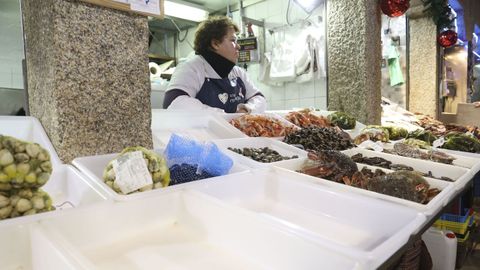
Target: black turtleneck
(220, 64)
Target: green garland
(440, 11)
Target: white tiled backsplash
(288, 95)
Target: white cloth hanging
(282, 68)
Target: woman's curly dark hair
(213, 28)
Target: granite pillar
(423, 97)
(88, 79)
(354, 58)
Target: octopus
(335, 166)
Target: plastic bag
(206, 156)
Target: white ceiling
(212, 5)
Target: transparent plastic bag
(206, 156)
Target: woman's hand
(242, 110)
(476, 104)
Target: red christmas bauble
(447, 38)
(394, 8)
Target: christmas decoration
(447, 38)
(394, 8)
(444, 17)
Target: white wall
(11, 45)
(289, 95)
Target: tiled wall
(11, 46)
(309, 94)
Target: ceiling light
(309, 5)
(184, 11)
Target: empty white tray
(198, 125)
(172, 231)
(363, 227)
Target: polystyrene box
(198, 125)
(68, 188)
(175, 230)
(353, 224)
(460, 175)
(93, 167)
(260, 142)
(447, 190)
(28, 129)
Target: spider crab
(334, 166)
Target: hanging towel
(282, 68)
(394, 68)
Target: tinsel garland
(440, 11)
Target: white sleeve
(188, 103)
(187, 78)
(255, 103)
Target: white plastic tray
(351, 223)
(93, 166)
(231, 116)
(429, 210)
(198, 125)
(460, 175)
(28, 129)
(174, 231)
(15, 252)
(352, 132)
(260, 142)
(68, 189)
(460, 160)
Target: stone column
(88, 79)
(354, 58)
(423, 95)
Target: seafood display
(342, 120)
(316, 139)
(262, 126)
(334, 166)
(156, 165)
(23, 164)
(338, 167)
(396, 133)
(264, 154)
(373, 133)
(461, 142)
(24, 168)
(429, 123)
(381, 162)
(423, 135)
(406, 150)
(305, 118)
(23, 202)
(417, 143)
(475, 131)
(405, 185)
(440, 129)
